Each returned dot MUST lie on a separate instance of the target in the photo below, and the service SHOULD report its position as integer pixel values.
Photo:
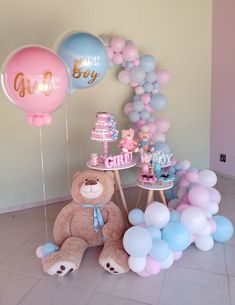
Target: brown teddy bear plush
(90, 220)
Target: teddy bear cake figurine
(145, 145)
(90, 220)
(127, 142)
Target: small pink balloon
(38, 121)
(173, 204)
(163, 76)
(136, 62)
(152, 266)
(145, 98)
(181, 191)
(185, 197)
(191, 177)
(133, 84)
(110, 52)
(183, 183)
(130, 53)
(177, 255)
(148, 108)
(123, 77)
(180, 173)
(128, 108)
(163, 125)
(182, 207)
(141, 123)
(117, 44)
(139, 90)
(143, 274)
(212, 224)
(117, 58)
(152, 126)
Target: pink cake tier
(105, 128)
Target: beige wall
(176, 32)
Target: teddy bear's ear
(131, 130)
(76, 175)
(111, 175)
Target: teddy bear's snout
(90, 182)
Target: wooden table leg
(116, 193)
(118, 180)
(162, 196)
(139, 197)
(150, 197)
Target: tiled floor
(198, 278)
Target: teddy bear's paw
(61, 268)
(111, 266)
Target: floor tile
(104, 299)
(133, 287)
(231, 280)
(212, 260)
(13, 287)
(54, 292)
(9, 244)
(186, 286)
(228, 185)
(230, 255)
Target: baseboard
(19, 207)
(224, 175)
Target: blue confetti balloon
(136, 217)
(177, 236)
(160, 250)
(162, 146)
(137, 74)
(155, 232)
(174, 216)
(85, 57)
(147, 63)
(138, 106)
(158, 101)
(224, 229)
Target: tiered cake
(105, 128)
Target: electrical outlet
(222, 158)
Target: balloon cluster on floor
(159, 236)
(140, 72)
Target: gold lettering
(78, 72)
(19, 84)
(93, 77)
(47, 83)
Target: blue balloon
(137, 241)
(144, 114)
(178, 167)
(151, 119)
(147, 63)
(151, 77)
(156, 85)
(224, 229)
(158, 101)
(174, 216)
(134, 116)
(136, 217)
(136, 98)
(155, 232)
(137, 74)
(138, 106)
(169, 194)
(177, 236)
(160, 250)
(148, 87)
(162, 146)
(85, 57)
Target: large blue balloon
(158, 101)
(160, 250)
(224, 229)
(85, 57)
(177, 236)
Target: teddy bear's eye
(86, 180)
(97, 180)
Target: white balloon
(194, 219)
(168, 262)
(157, 214)
(204, 243)
(213, 208)
(206, 230)
(207, 178)
(137, 264)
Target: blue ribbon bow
(98, 221)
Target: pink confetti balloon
(128, 108)
(35, 80)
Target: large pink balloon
(199, 196)
(36, 80)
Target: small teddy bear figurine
(145, 145)
(127, 142)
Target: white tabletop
(155, 186)
(103, 168)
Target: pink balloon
(181, 191)
(133, 84)
(191, 177)
(136, 62)
(128, 108)
(145, 98)
(117, 44)
(177, 255)
(214, 195)
(36, 80)
(163, 124)
(212, 224)
(123, 77)
(143, 274)
(199, 196)
(152, 266)
(130, 53)
(110, 52)
(180, 173)
(139, 90)
(148, 108)
(163, 76)
(183, 183)
(117, 58)
(182, 207)
(184, 197)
